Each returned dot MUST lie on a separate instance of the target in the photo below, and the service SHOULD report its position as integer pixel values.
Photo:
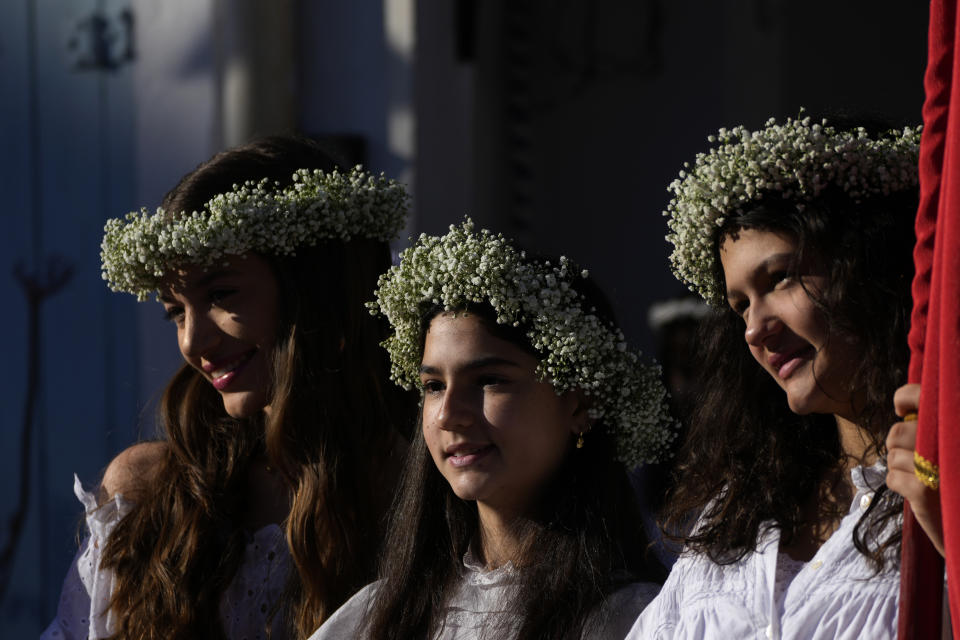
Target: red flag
(935, 331)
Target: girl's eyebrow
(784, 255)
(210, 276)
(479, 363)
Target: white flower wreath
(139, 249)
(798, 159)
(580, 351)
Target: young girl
(801, 235)
(281, 422)
(515, 517)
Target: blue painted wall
(66, 136)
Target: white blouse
(766, 594)
(244, 607)
(478, 608)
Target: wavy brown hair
(332, 434)
(747, 459)
(583, 539)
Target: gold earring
(580, 440)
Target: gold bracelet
(910, 417)
(928, 472)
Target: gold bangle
(927, 472)
(910, 417)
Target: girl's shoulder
(348, 619)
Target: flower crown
(798, 159)
(580, 351)
(261, 217)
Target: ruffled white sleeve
(84, 600)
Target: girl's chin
(806, 407)
(244, 404)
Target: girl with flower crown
(800, 235)
(515, 517)
(254, 514)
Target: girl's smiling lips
(223, 372)
(785, 363)
(464, 454)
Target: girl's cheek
(428, 413)
(428, 428)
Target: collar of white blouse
(866, 480)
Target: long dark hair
(332, 433)
(583, 539)
(747, 459)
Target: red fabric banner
(935, 330)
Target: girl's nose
(760, 326)
(198, 336)
(457, 409)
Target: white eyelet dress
(767, 595)
(245, 606)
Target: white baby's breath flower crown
(798, 160)
(579, 350)
(260, 217)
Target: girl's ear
(579, 406)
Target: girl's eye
(739, 307)
(431, 386)
(779, 276)
(173, 314)
(491, 381)
(218, 295)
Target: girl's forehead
(185, 277)
(460, 329)
(462, 337)
(181, 280)
(754, 245)
(759, 238)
